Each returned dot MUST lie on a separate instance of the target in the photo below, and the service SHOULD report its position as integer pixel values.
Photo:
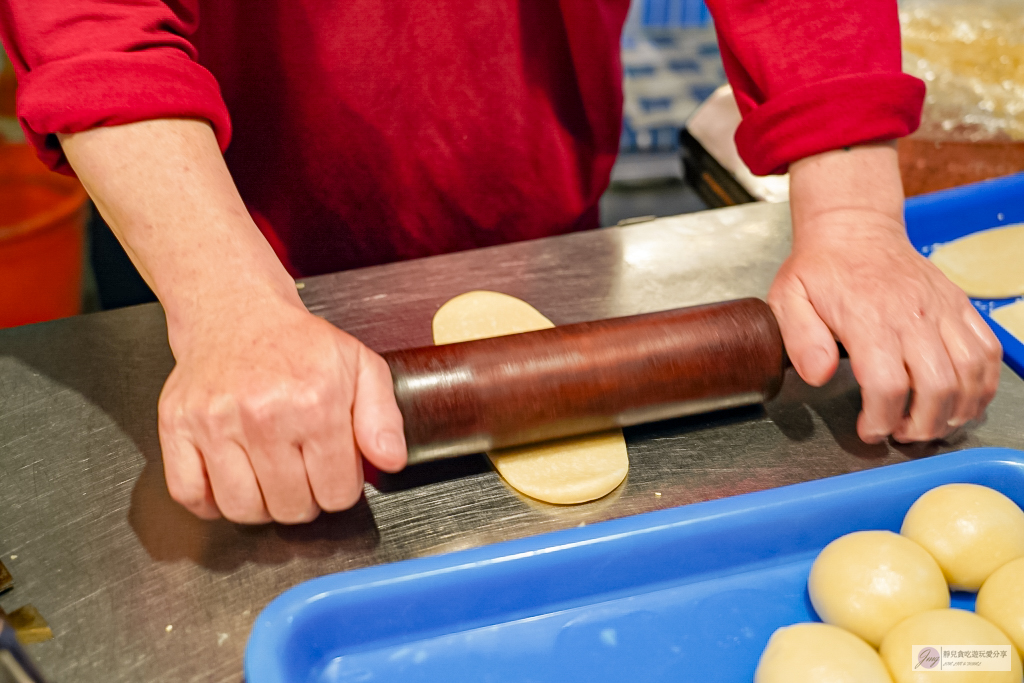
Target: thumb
(808, 340)
(376, 419)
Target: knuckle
(377, 365)
(890, 389)
(296, 515)
(188, 497)
(938, 386)
(342, 497)
(916, 433)
(261, 408)
(245, 514)
(310, 398)
(219, 410)
(989, 391)
(170, 413)
(994, 352)
(945, 387)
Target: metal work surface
(136, 589)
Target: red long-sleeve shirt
(366, 131)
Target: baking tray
(685, 594)
(943, 216)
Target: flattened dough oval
(482, 314)
(1011, 317)
(985, 264)
(563, 471)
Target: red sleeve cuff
(827, 115)
(113, 88)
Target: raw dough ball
(869, 581)
(970, 530)
(1001, 601)
(985, 264)
(819, 653)
(563, 471)
(1012, 318)
(945, 627)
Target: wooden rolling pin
(508, 391)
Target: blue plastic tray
(944, 216)
(684, 594)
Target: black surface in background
(118, 283)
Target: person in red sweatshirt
(365, 131)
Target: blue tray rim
(261, 653)
(1000, 189)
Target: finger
(281, 473)
(934, 384)
(970, 365)
(992, 351)
(234, 483)
(184, 470)
(335, 470)
(809, 342)
(186, 477)
(877, 363)
(376, 419)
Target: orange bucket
(42, 231)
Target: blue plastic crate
(675, 13)
(684, 594)
(940, 217)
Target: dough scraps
(562, 471)
(1011, 317)
(986, 264)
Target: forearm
(165, 191)
(847, 193)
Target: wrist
(844, 226)
(216, 306)
(853, 193)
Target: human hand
(911, 334)
(268, 409)
(267, 412)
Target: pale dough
(970, 530)
(986, 264)
(1011, 317)
(819, 653)
(944, 627)
(564, 471)
(479, 315)
(869, 581)
(1001, 601)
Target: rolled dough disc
(985, 264)
(481, 314)
(563, 471)
(1012, 318)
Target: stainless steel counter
(136, 589)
